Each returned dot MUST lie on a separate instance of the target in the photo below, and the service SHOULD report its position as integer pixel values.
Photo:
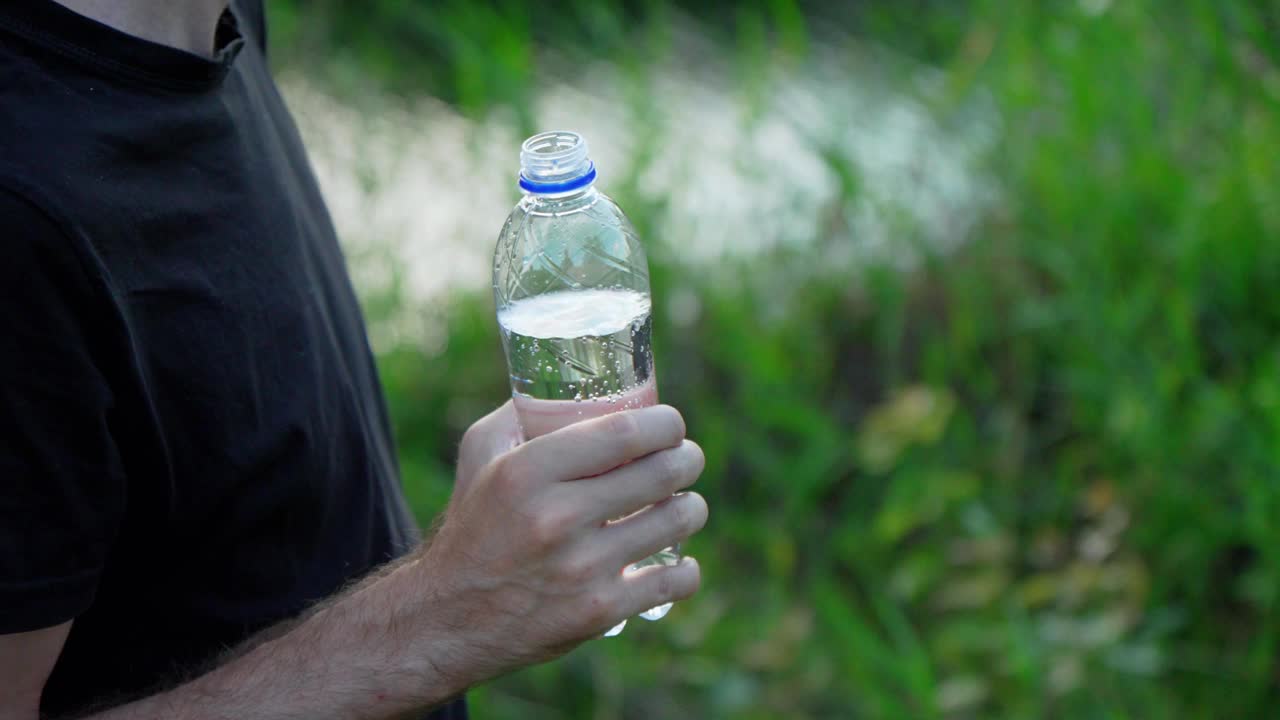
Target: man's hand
(528, 560)
(527, 563)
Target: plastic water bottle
(571, 286)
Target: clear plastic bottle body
(571, 286)
(571, 269)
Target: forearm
(363, 655)
(524, 566)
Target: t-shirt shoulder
(64, 486)
(42, 246)
(253, 13)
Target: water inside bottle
(580, 354)
(581, 347)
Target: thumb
(486, 439)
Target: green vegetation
(1036, 477)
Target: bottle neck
(555, 164)
(561, 203)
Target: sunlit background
(974, 307)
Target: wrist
(414, 655)
(376, 644)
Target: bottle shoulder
(594, 246)
(592, 203)
(585, 217)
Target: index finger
(596, 446)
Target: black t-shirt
(193, 439)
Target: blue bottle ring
(555, 188)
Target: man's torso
(245, 415)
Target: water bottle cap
(555, 162)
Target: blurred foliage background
(1027, 467)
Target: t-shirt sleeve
(61, 482)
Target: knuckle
(687, 464)
(502, 473)
(575, 571)
(542, 532)
(691, 587)
(472, 435)
(670, 469)
(697, 459)
(673, 424)
(666, 586)
(598, 607)
(678, 424)
(623, 428)
(677, 583)
(549, 527)
(680, 515)
(691, 512)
